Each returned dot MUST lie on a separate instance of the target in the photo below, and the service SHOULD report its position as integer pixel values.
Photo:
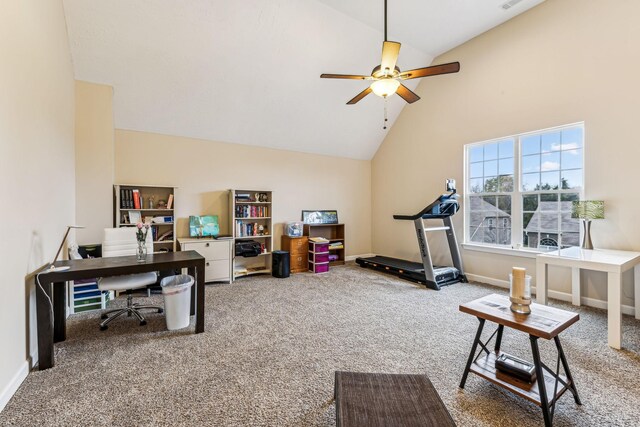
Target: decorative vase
(141, 253)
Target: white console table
(614, 263)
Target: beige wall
(204, 170)
(94, 135)
(36, 166)
(562, 62)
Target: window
(519, 190)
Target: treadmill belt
(400, 264)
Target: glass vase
(141, 253)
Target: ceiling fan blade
(359, 96)
(344, 76)
(390, 52)
(452, 67)
(406, 94)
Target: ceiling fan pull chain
(385, 114)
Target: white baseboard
(13, 385)
(562, 296)
(353, 257)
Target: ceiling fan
(387, 76)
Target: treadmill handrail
(426, 212)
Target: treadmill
(444, 207)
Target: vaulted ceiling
(248, 72)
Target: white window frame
(516, 247)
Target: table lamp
(586, 210)
(64, 239)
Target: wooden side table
(543, 322)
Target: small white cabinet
(217, 255)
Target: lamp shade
(588, 209)
(385, 87)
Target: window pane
(475, 154)
(569, 197)
(569, 225)
(572, 159)
(530, 202)
(475, 170)
(550, 142)
(572, 138)
(531, 163)
(550, 162)
(505, 149)
(549, 181)
(572, 179)
(505, 166)
(491, 168)
(476, 185)
(548, 222)
(549, 197)
(530, 145)
(490, 203)
(504, 236)
(504, 205)
(530, 222)
(491, 151)
(530, 181)
(491, 184)
(506, 183)
(475, 203)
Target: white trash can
(177, 300)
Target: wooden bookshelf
(332, 232)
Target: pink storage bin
(322, 268)
(321, 258)
(321, 248)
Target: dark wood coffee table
(543, 322)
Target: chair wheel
(143, 322)
(160, 310)
(104, 316)
(104, 328)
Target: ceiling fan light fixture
(385, 87)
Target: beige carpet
(271, 347)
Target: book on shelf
(318, 240)
(170, 201)
(162, 219)
(136, 199)
(243, 197)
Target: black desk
(54, 286)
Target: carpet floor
(271, 346)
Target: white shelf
(147, 210)
(252, 203)
(253, 237)
(249, 273)
(253, 217)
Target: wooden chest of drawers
(298, 248)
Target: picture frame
(320, 217)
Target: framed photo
(320, 217)
(135, 217)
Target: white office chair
(120, 242)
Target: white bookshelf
(250, 212)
